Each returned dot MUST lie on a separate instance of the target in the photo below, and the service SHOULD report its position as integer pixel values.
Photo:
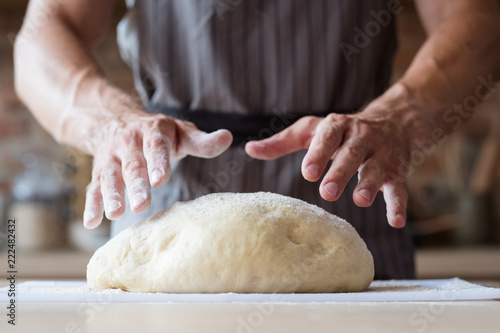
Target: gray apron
(276, 58)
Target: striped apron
(280, 59)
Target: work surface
(101, 315)
(402, 317)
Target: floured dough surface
(235, 242)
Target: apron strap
(243, 127)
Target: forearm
(452, 71)
(57, 78)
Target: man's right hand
(60, 82)
(134, 154)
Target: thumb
(206, 145)
(294, 138)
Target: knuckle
(353, 152)
(103, 167)
(309, 123)
(129, 136)
(308, 120)
(331, 117)
(189, 125)
(367, 131)
(132, 167)
(337, 175)
(373, 170)
(162, 158)
(158, 141)
(326, 135)
(337, 117)
(321, 152)
(399, 206)
(137, 184)
(113, 173)
(156, 122)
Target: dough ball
(236, 242)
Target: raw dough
(236, 242)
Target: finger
(294, 138)
(371, 178)
(344, 166)
(157, 148)
(135, 174)
(205, 145)
(113, 190)
(92, 214)
(396, 198)
(324, 143)
(137, 182)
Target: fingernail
(156, 175)
(313, 170)
(113, 206)
(259, 144)
(138, 199)
(332, 189)
(365, 194)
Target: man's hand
(136, 154)
(59, 80)
(365, 142)
(462, 46)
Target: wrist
(96, 112)
(402, 106)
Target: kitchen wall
(454, 199)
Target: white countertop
(400, 317)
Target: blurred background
(454, 195)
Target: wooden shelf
(467, 263)
(60, 265)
